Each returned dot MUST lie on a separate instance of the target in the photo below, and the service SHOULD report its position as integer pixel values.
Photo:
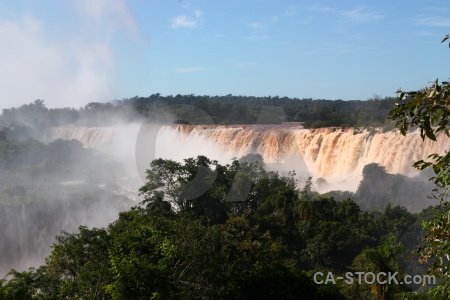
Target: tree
(383, 258)
(80, 263)
(78, 268)
(429, 110)
(139, 255)
(187, 187)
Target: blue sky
(70, 53)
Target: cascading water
(338, 155)
(329, 151)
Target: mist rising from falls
(120, 141)
(338, 155)
(90, 137)
(49, 188)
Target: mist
(66, 68)
(49, 188)
(334, 160)
(75, 176)
(83, 167)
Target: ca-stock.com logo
(147, 140)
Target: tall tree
(382, 259)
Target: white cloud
(110, 14)
(189, 70)
(431, 33)
(198, 13)
(63, 72)
(359, 15)
(320, 8)
(437, 21)
(183, 22)
(62, 75)
(187, 22)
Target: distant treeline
(317, 113)
(222, 110)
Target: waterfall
(332, 153)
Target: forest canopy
(33, 118)
(267, 243)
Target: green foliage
(266, 245)
(139, 256)
(179, 185)
(20, 286)
(435, 247)
(383, 258)
(446, 38)
(378, 189)
(80, 262)
(46, 188)
(335, 232)
(31, 120)
(428, 110)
